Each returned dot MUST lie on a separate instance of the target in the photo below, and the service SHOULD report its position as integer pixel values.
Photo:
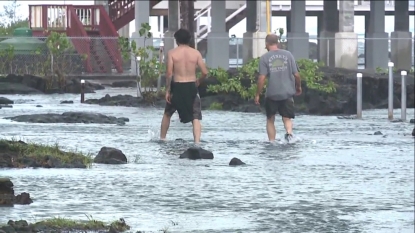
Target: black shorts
(284, 107)
(169, 110)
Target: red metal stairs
(121, 12)
(90, 28)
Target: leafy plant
(215, 106)
(243, 84)
(313, 77)
(7, 57)
(148, 67)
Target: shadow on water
(341, 179)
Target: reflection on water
(337, 178)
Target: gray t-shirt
(279, 66)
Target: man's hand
(168, 97)
(257, 99)
(298, 91)
(197, 82)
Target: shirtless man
(182, 94)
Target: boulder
(412, 121)
(110, 155)
(70, 117)
(7, 197)
(23, 199)
(236, 162)
(6, 192)
(413, 132)
(5, 101)
(30, 84)
(66, 102)
(378, 133)
(194, 153)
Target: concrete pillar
(401, 37)
(173, 26)
(346, 39)
(218, 39)
(330, 26)
(297, 38)
(256, 30)
(142, 15)
(376, 43)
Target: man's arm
(295, 72)
(263, 72)
(169, 71)
(202, 67)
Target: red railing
(107, 29)
(121, 12)
(79, 37)
(80, 23)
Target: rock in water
(67, 102)
(5, 101)
(23, 199)
(6, 192)
(412, 121)
(378, 133)
(7, 197)
(236, 162)
(413, 132)
(110, 155)
(69, 117)
(196, 153)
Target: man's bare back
(185, 61)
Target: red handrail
(110, 34)
(79, 37)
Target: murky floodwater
(336, 179)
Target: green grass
(216, 106)
(90, 224)
(42, 152)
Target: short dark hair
(272, 39)
(182, 36)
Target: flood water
(337, 178)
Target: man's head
(182, 37)
(271, 42)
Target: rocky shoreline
(70, 117)
(30, 84)
(19, 154)
(54, 225)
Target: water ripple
(337, 178)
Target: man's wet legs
(288, 125)
(271, 131)
(165, 124)
(197, 130)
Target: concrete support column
(297, 38)
(401, 37)
(256, 30)
(218, 39)
(346, 39)
(173, 26)
(330, 25)
(376, 43)
(142, 15)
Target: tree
(10, 19)
(187, 18)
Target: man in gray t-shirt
(284, 83)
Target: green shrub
(216, 106)
(312, 76)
